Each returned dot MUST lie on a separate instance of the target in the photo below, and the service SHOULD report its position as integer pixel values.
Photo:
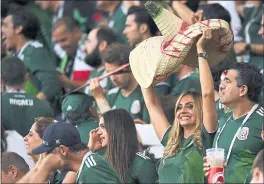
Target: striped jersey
(95, 169)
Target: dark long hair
(123, 142)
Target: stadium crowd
(114, 130)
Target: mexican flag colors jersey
(95, 169)
(247, 143)
(187, 164)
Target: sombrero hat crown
(154, 59)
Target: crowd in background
(114, 131)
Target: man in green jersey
(74, 72)
(20, 30)
(76, 108)
(127, 93)
(239, 132)
(66, 152)
(97, 41)
(19, 108)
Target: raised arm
(98, 94)
(207, 85)
(157, 116)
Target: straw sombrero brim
(147, 60)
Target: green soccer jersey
(190, 81)
(134, 103)
(105, 83)
(42, 70)
(95, 169)
(85, 127)
(20, 109)
(165, 87)
(143, 170)
(247, 143)
(187, 165)
(118, 20)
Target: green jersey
(190, 81)
(143, 170)
(247, 143)
(85, 127)
(42, 70)
(95, 169)
(118, 20)
(20, 110)
(187, 165)
(165, 87)
(105, 83)
(252, 18)
(134, 103)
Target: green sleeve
(57, 177)
(42, 66)
(207, 138)
(49, 84)
(247, 12)
(147, 173)
(165, 137)
(99, 173)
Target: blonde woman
(193, 128)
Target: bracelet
(203, 55)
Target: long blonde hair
(176, 133)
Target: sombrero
(154, 59)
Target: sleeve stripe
(260, 110)
(92, 159)
(89, 161)
(87, 164)
(260, 113)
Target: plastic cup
(216, 157)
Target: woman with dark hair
(34, 139)
(117, 132)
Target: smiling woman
(193, 129)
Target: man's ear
(64, 150)
(13, 171)
(18, 29)
(243, 90)
(143, 28)
(102, 46)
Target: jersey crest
(135, 107)
(243, 134)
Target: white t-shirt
(15, 143)
(149, 138)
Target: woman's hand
(94, 140)
(202, 42)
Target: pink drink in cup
(216, 157)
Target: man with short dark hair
(97, 41)
(13, 167)
(258, 176)
(127, 93)
(139, 25)
(74, 72)
(20, 29)
(19, 108)
(65, 151)
(239, 131)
